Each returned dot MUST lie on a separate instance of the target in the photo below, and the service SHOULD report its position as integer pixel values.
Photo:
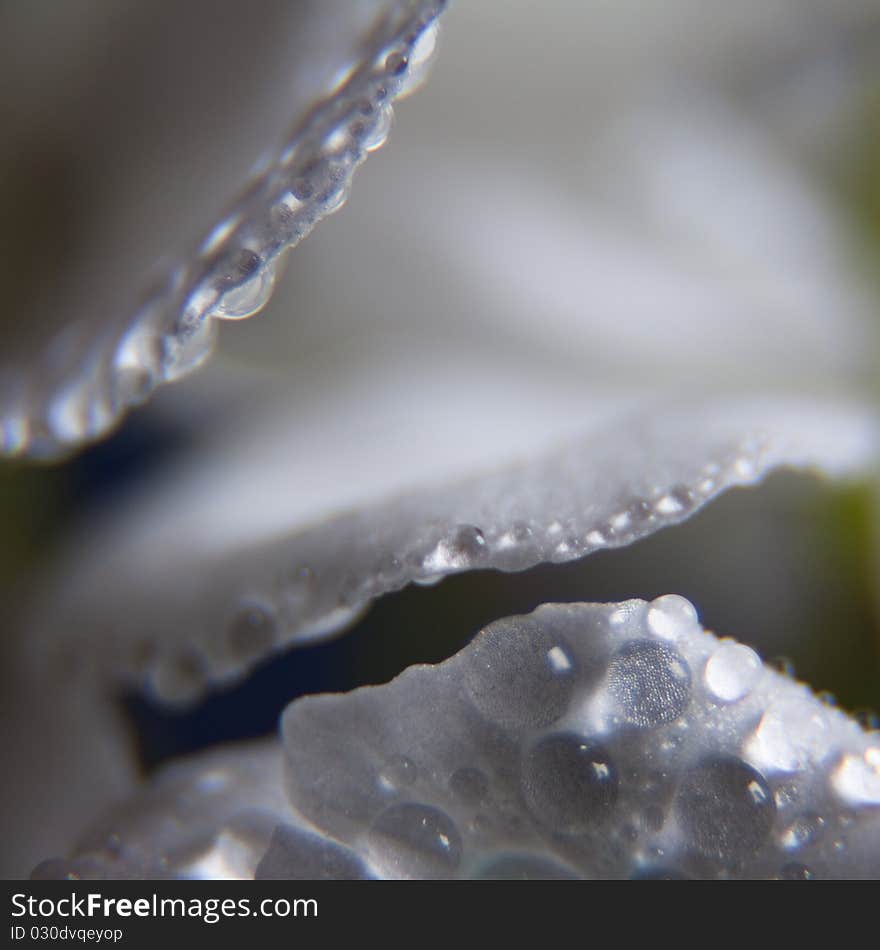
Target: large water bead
(519, 675)
(414, 840)
(650, 683)
(569, 783)
(725, 808)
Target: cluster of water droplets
(591, 741)
(80, 393)
(580, 741)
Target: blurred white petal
(232, 559)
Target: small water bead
(519, 675)
(672, 616)
(373, 126)
(79, 410)
(137, 362)
(396, 64)
(725, 808)
(792, 733)
(856, 780)
(732, 672)
(470, 785)
(246, 288)
(524, 867)
(569, 783)
(253, 631)
(415, 840)
(650, 682)
(398, 772)
(298, 855)
(620, 521)
(804, 831)
(463, 547)
(184, 349)
(425, 45)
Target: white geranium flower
(594, 283)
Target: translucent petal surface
(581, 740)
(154, 161)
(180, 597)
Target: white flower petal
(571, 742)
(221, 566)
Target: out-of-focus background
(537, 121)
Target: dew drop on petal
(416, 840)
(725, 808)
(732, 672)
(671, 616)
(856, 780)
(519, 675)
(650, 683)
(791, 734)
(569, 782)
(248, 293)
(398, 772)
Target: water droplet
(398, 772)
(426, 44)
(253, 631)
(463, 547)
(803, 831)
(569, 782)
(246, 288)
(137, 363)
(469, 784)
(791, 734)
(725, 808)
(620, 521)
(186, 348)
(672, 616)
(524, 867)
(650, 682)
(80, 410)
(519, 674)
(396, 64)
(415, 840)
(856, 780)
(373, 128)
(732, 672)
(669, 504)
